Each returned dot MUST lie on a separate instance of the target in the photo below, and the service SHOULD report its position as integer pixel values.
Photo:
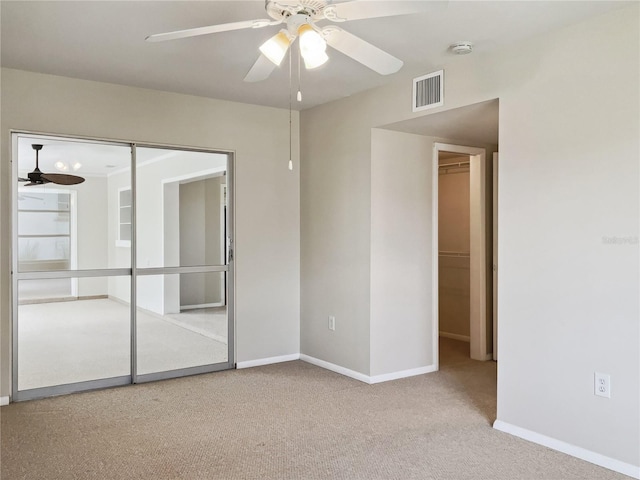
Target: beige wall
(401, 283)
(267, 194)
(93, 232)
(568, 300)
(335, 175)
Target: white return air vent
(428, 91)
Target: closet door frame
(227, 269)
(478, 331)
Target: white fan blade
(362, 51)
(358, 10)
(224, 27)
(260, 70)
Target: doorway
(462, 287)
(454, 243)
(98, 269)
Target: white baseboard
(119, 300)
(455, 336)
(203, 305)
(578, 452)
(335, 368)
(92, 297)
(338, 369)
(267, 361)
(366, 378)
(402, 374)
(4, 401)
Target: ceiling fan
(299, 18)
(39, 178)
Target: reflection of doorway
(192, 237)
(202, 240)
(455, 260)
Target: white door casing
(495, 256)
(478, 250)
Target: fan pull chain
(290, 114)
(299, 96)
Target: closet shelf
(455, 164)
(442, 253)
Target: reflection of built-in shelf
(124, 218)
(43, 265)
(51, 235)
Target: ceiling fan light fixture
(312, 47)
(61, 166)
(276, 47)
(315, 60)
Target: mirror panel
(180, 208)
(181, 321)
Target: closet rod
(458, 164)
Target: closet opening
(463, 286)
(454, 244)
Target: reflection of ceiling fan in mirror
(300, 17)
(39, 178)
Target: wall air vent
(428, 91)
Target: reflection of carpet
(66, 342)
(210, 322)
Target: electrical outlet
(602, 384)
(332, 322)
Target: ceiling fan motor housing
(283, 9)
(36, 175)
(294, 22)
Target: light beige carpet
(285, 421)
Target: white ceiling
(104, 41)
